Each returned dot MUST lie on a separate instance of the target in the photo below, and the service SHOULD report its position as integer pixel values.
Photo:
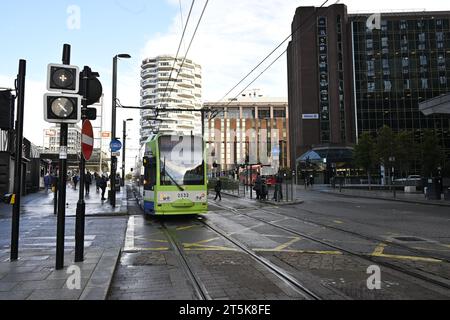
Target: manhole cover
(409, 239)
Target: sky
(233, 37)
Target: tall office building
(350, 74)
(167, 83)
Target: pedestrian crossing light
(62, 108)
(63, 78)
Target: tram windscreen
(182, 161)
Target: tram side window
(149, 173)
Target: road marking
(287, 244)
(431, 249)
(200, 245)
(246, 229)
(300, 251)
(129, 238)
(185, 228)
(379, 252)
(146, 249)
(338, 222)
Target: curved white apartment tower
(158, 91)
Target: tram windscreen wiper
(170, 177)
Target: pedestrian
(311, 181)
(258, 186)
(75, 181)
(88, 182)
(264, 190)
(97, 181)
(218, 189)
(54, 182)
(47, 182)
(278, 187)
(103, 184)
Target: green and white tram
(173, 176)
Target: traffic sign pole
(61, 224)
(81, 205)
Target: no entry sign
(87, 140)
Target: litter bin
(433, 189)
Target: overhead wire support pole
(60, 233)
(18, 172)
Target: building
(167, 83)
(251, 128)
(350, 74)
(52, 139)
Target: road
(323, 248)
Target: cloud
(236, 35)
(233, 37)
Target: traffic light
(62, 108)
(91, 90)
(63, 78)
(6, 110)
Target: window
(405, 62)
(424, 83)
(369, 44)
(423, 60)
(371, 87)
(279, 113)
(387, 86)
(263, 113)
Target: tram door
(149, 173)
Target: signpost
(115, 145)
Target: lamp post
(124, 148)
(112, 192)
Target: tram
(172, 176)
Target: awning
(438, 105)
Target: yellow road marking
(431, 249)
(379, 252)
(210, 248)
(200, 242)
(338, 222)
(300, 251)
(148, 249)
(287, 244)
(185, 228)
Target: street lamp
(112, 195)
(124, 148)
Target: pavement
(292, 199)
(33, 275)
(416, 198)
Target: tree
(405, 151)
(364, 154)
(385, 147)
(432, 155)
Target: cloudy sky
(234, 36)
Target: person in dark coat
(278, 196)
(88, 182)
(103, 184)
(47, 182)
(258, 186)
(218, 189)
(75, 181)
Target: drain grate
(409, 239)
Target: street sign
(116, 154)
(87, 140)
(313, 116)
(115, 145)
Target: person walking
(88, 182)
(103, 184)
(47, 182)
(218, 189)
(278, 187)
(97, 179)
(75, 181)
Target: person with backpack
(75, 181)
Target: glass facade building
(404, 63)
(355, 73)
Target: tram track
(199, 288)
(370, 259)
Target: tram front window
(182, 162)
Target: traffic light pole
(81, 205)
(60, 234)
(18, 173)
